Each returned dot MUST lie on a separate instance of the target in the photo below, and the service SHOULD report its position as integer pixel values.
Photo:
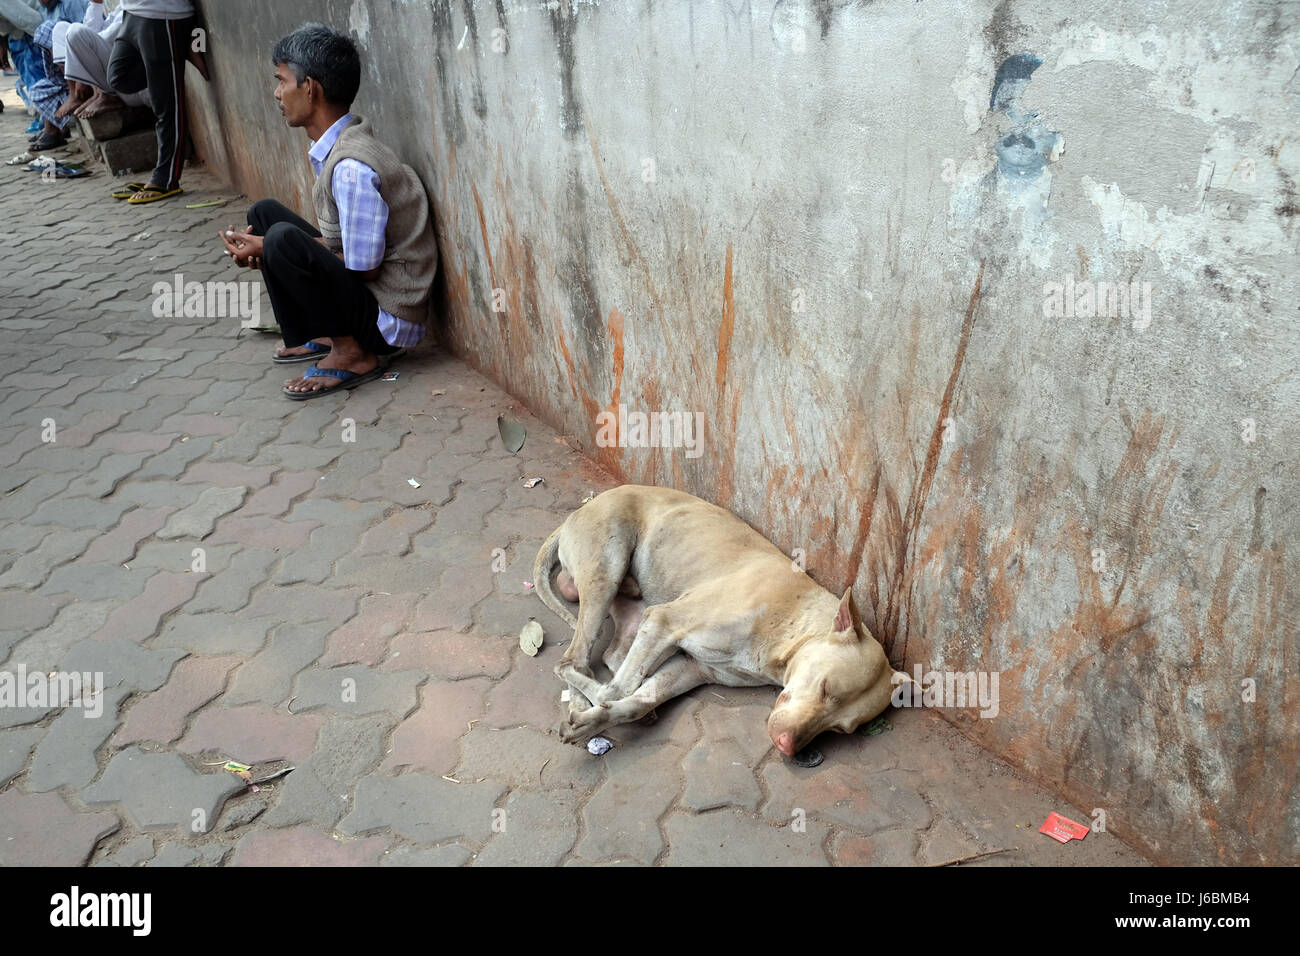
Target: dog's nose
(785, 743)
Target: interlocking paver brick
(720, 769)
(210, 635)
(16, 747)
(123, 663)
(886, 848)
(366, 637)
(178, 854)
(132, 853)
(42, 650)
(39, 830)
(94, 582)
(196, 522)
(320, 789)
(56, 548)
(106, 476)
(846, 795)
(733, 838)
(269, 675)
(65, 757)
(525, 758)
(529, 694)
(229, 588)
(118, 546)
(429, 738)
(392, 536)
(255, 733)
(278, 498)
(305, 846)
(271, 534)
(423, 808)
(161, 791)
(450, 605)
(622, 817)
(244, 444)
(450, 855)
(446, 655)
(161, 716)
(944, 841)
(536, 829)
(304, 602)
(356, 690)
(227, 474)
(139, 620)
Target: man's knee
(260, 213)
(282, 241)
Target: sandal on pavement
(153, 194)
(129, 190)
(23, 157)
(46, 141)
(350, 380)
(315, 351)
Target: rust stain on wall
(727, 324)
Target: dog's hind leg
(678, 675)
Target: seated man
(89, 47)
(359, 291)
(49, 89)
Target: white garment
(159, 9)
(88, 55)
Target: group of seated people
(75, 58)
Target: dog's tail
(547, 558)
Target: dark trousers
(313, 294)
(151, 53)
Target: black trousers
(151, 54)
(313, 294)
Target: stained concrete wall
(845, 234)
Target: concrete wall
(844, 233)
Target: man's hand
(244, 247)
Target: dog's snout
(784, 743)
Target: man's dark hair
(327, 56)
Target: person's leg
(265, 213)
(161, 45)
(315, 296)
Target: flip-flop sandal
(68, 172)
(350, 380)
(153, 194)
(40, 164)
(48, 142)
(129, 190)
(315, 351)
(20, 159)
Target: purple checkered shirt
(363, 217)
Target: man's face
(295, 104)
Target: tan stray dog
(722, 605)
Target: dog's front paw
(586, 724)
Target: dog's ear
(844, 617)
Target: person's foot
(298, 350)
(101, 102)
(72, 104)
(359, 366)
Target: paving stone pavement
(257, 587)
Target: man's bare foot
(302, 349)
(334, 360)
(101, 102)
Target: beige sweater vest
(410, 263)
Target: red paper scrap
(1062, 829)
